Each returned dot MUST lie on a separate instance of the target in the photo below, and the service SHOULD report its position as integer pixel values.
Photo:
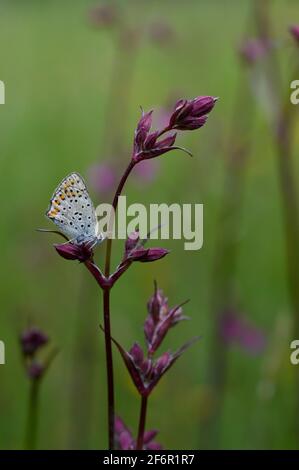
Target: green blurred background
(73, 91)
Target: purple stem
(114, 205)
(30, 442)
(142, 419)
(109, 366)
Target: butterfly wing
(72, 210)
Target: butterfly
(72, 210)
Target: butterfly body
(72, 210)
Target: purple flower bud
(131, 242)
(119, 425)
(32, 340)
(103, 16)
(153, 254)
(146, 376)
(149, 328)
(145, 123)
(158, 304)
(192, 114)
(142, 131)
(294, 30)
(166, 143)
(190, 124)
(72, 251)
(35, 370)
(149, 436)
(153, 446)
(162, 363)
(147, 144)
(147, 368)
(137, 354)
(151, 140)
(146, 255)
(123, 437)
(125, 441)
(160, 319)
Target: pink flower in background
(161, 117)
(294, 30)
(102, 177)
(253, 50)
(146, 171)
(235, 329)
(103, 16)
(161, 33)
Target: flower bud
(147, 373)
(160, 319)
(153, 254)
(35, 370)
(73, 251)
(131, 242)
(32, 340)
(162, 362)
(137, 354)
(192, 114)
(145, 255)
(125, 441)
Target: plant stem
(111, 222)
(226, 252)
(106, 308)
(31, 431)
(283, 126)
(142, 419)
(289, 196)
(109, 365)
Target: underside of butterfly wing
(72, 210)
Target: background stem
(31, 431)
(142, 419)
(107, 326)
(223, 297)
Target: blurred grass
(57, 71)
